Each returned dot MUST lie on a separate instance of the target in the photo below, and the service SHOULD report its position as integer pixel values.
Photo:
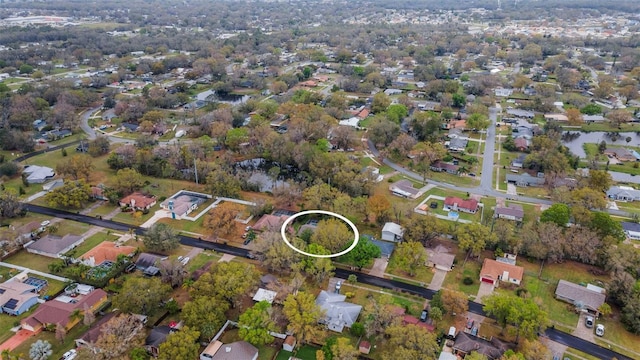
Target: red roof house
(453, 203)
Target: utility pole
(195, 169)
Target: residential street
(552, 334)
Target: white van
(453, 332)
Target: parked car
(470, 323)
(474, 331)
(69, 355)
(588, 322)
(45, 223)
(600, 330)
(453, 332)
(424, 315)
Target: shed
(392, 232)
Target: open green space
(470, 269)
(71, 227)
(624, 342)
(201, 259)
(30, 261)
(423, 274)
(58, 348)
(305, 352)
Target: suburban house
(157, 336)
(587, 298)
(289, 343)
(97, 193)
(239, 350)
(623, 193)
(392, 232)
(106, 251)
(59, 310)
(494, 271)
(180, 206)
(455, 124)
(521, 143)
(89, 338)
(452, 203)
(456, 133)
(556, 117)
(148, 263)
(621, 154)
(129, 127)
(502, 92)
(269, 222)
(525, 179)
(631, 229)
(39, 125)
(38, 174)
(467, 343)
(338, 313)
(17, 297)
(522, 132)
(53, 246)
(521, 113)
(510, 212)
(138, 201)
(440, 166)
(265, 295)
(519, 161)
(456, 144)
(404, 188)
(592, 118)
(440, 258)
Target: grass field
(31, 261)
(57, 347)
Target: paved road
(553, 334)
(486, 178)
(84, 123)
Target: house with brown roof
(59, 310)
(467, 343)
(239, 350)
(270, 222)
(104, 251)
(510, 212)
(53, 245)
(494, 271)
(440, 258)
(89, 338)
(404, 188)
(452, 203)
(621, 154)
(586, 298)
(138, 201)
(521, 143)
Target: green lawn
(71, 227)
(7, 322)
(90, 243)
(31, 261)
(470, 269)
(201, 259)
(57, 347)
(103, 210)
(423, 274)
(137, 217)
(305, 353)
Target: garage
(487, 280)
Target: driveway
(17, 339)
(437, 280)
(379, 266)
(582, 331)
(485, 289)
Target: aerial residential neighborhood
(310, 180)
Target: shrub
(467, 280)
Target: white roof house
(623, 193)
(264, 295)
(338, 313)
(38, 174)
(392, 232)
(350, 122)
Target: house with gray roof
(510, 212)
(525, 180)
(38, 174)
(239, 350)
(623, 193)
(457, 144)
(521, 113)
(53, 246)
(467, 343)
(631, 229)
(338, 313)
(404, 188)
(584, 298)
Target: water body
(597, 137)
(231, 98)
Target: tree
(99, 146)
(423, 229)
(221, 220)
(558, 214)
(397, 113)
(161, 237)
(78, 167)
(303, 315)
(73, 194)
(205, 314)
(333, 234)
(619, 117)
(275, 254)
(222, 183)
(226, 280)
(478, 122)
(343, 350)
(377, 316)
(380, 102)
(474, 355)
(181, 344)
(120, 335)
(574, 117)
(255, 324)
(172, 272)
(454, 302)
(362, 254)
(604, 225)
(409, 256)
(10, 205)
(378, 205)
(591, 109)
(599, 180)
(605, 309)
(410, 342)
(141, 295)
(128, 180)
(40, 350)
(235, 137)
(474, 237)
(458, 100)
(533, 350)
(522, 313)
(318, 268)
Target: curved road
(553, 334)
